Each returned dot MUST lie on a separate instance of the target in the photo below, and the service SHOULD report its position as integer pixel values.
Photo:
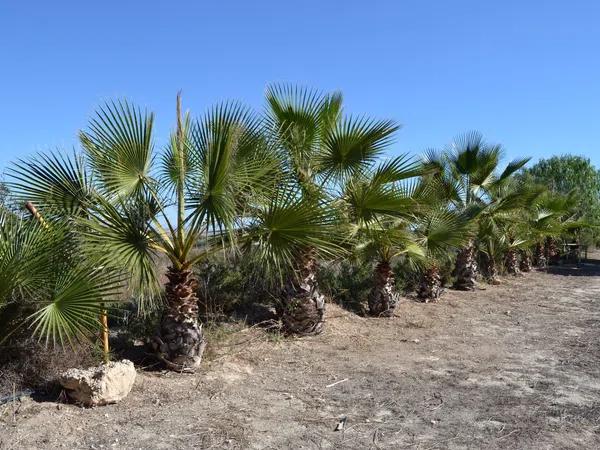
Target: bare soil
(510, 366)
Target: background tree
(570, 174)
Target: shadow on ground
(586, 268)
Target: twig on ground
(508, 434)
(337, 382)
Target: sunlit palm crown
(469, 168)
(131, 208)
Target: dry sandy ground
(511, 366)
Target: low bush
(348, 284)
(28, 364)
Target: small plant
(347, 284)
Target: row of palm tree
(299, 184)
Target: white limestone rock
(102, 385)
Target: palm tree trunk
(466, 268)
(540, 256)
(303, 305)
(551, 250)
(180, 342)
(490, 269)
(512, 262)
(430, 285)
(525, 263)
(383, 297)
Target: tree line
(298, 185)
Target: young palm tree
(321, 149)
(500, 224)
(550, 216)
(210, 171)
(286, 236)
(46, 284)
(379, 210)
(525, 260)
(390, 242)
(468, 169)
(438, 232)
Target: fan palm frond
(119, 146)
(57, 183)
(354, 145)
(74, 303)
(287, 226)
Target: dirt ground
(510, 366)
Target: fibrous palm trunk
(540, 256)
(490, 269)
(430, 285)
(303, 310)
(383, 297)
(180, 342)
(525, 263)
(511, 261)
(552, 253)
(466, 268)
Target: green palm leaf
(287, 226)
(441, 231)
(121, 237)
(353, 146)
(75, 301)
(230, 161)
(301, 119)
(55, 183)
(25, 250)
(119, 146)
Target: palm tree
(321, 149)
(548, 218)
(500, 224)
(45, 282)
(131, 212)
(286, 236)
(438, 232)
(379, 210)
(468, 169)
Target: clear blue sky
(525, 73)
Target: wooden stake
(105, 346)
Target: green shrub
(347, 284)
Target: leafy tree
(570, 174)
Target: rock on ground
(102, 385)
